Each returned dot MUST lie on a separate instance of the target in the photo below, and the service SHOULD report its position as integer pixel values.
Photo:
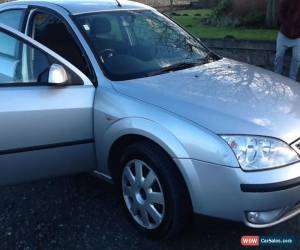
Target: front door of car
(46, 112)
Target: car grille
(296, 146)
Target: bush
(185, 14)
(221, 15)
(224, 7)
(254, 19)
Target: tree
(272, 13)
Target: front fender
(142, 127)
(167, 140)
(179, 138)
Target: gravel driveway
(81, 212)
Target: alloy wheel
(143, 194)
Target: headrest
(100, 25)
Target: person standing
(288, 36)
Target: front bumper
(229, 193)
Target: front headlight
(259, 153)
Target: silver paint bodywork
(184, 112)
(35, 116)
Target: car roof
(85, 6)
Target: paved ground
(81, 212)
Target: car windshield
(132, 44)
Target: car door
(46, 129)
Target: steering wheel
(106, 54)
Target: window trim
(32, 9)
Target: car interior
(53, 33)
(115, 52)
(116, 46)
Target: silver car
(119, 90)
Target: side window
(52, 32)
(13, 19)
(31, 65)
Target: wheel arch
(130, 130)
(121, 143)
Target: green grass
(192, 23)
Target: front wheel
(153, 192)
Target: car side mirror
(57, 75)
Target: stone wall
(258, 53)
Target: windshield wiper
(174, 67)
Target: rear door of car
(45, 130)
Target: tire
(158, 204)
